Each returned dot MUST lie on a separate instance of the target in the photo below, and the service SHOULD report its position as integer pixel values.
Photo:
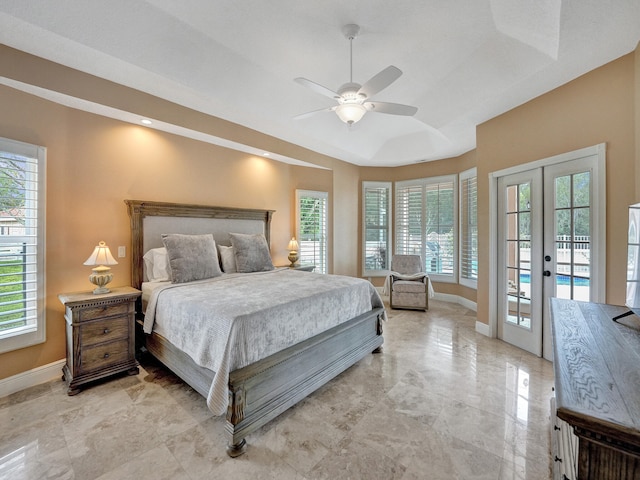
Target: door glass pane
(563, 192)
(581, 189)
(512, 254)
(573, 240)
(563, 223)
(512, 230)
(518, 251)
(525, 270)
(525, 226)
(524, 191)
(581, 226)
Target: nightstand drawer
(103, 355)
(103, 311)
(104, 331)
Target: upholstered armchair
(409, 286)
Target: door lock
(547, 258)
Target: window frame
(464, 176)
(323, 265)
(23, 337)
(423, 183)
(389, 238)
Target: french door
(550, 226)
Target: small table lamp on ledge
(293, 251)
(101, 275)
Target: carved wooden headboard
(149, 220)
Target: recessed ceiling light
(146, 121)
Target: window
(22, 200)
(426, 224)
(312, 228)
(468, 229)
(377, 232)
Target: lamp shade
(293, 245)
(101, 256)
(351, 112)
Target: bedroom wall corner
(345, 210)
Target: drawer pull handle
(106, 330)
(106, 355)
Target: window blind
(377, 212)
(468, 229)
(425, 223)
(312, 228)
(20, 232)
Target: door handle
(546, 273)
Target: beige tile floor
(441, 402)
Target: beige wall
(94, 163)
(595, 108)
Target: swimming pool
(560, 280)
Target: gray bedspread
(231, 321)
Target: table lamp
(293, 251)
(101, 275)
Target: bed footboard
(262, 391)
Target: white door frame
(599, 205)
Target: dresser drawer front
(103, 311)
(104, 355)
(104, 331)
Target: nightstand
(100, 335)
(304, 268)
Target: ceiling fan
(353, 98)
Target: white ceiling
(464, 61)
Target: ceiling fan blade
(380, 81)
(391, 108)
(316, 87)
(309, 114)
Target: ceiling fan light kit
(351, 112)
(352, 97)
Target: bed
(255, 379)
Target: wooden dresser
(100, 335)
(597, 383)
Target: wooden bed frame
(263, 390)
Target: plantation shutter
(426, 223)
(312, 228)
(21, 243)
(409, 219)
(468, 229)
(377, 212)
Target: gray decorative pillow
(191, 257)
(227, 258)
(252, 252)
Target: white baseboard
(483, 329)
(447, 297)
(31, 378)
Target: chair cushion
(409, 300)
(409, 286)
(406, 263)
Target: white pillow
(156, 263)
(228, 259)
